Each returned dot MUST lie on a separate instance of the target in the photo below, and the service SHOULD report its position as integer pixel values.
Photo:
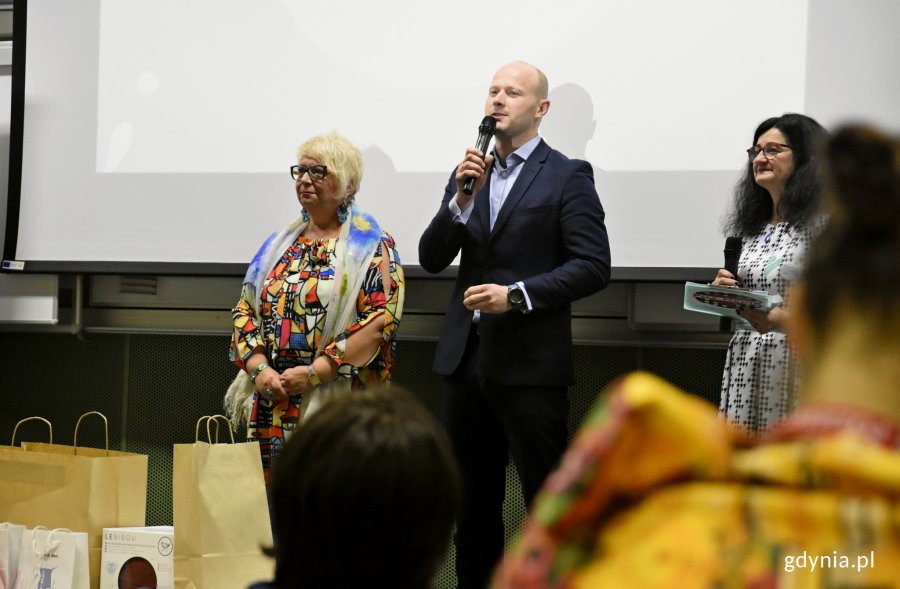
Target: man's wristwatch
(516, 297)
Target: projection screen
(156, 135)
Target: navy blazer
(549, 234)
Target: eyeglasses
(769, 150)
(315, 172)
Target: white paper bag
(54, 559)
(10, 539)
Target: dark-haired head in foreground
(848, 301)
(365, 494)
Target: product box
(138, 558)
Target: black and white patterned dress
(759, 385)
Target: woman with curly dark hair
(775, 213)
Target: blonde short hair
(342, 158)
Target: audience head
(340, 155)
(365, 494)
(800, 186)
(849, 296)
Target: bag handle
(216, 419)
(43, 554)
(105, 430)
(212, 419)
(51, 545)
(197, 428)
(21, 421)
(207, 419)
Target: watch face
(516, 296)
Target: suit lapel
(529, 171)
(482, 204)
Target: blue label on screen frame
(13, 265)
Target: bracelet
(256, 372)
(314, 379)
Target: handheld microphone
(732, 258)
(485, 132)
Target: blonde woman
(321, 301)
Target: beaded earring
(305, 215)
(342, 212)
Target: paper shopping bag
(84, 489)
(53, 559)
(221, 514)
(10, 539)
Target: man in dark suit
(532, 240)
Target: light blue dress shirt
(503, 179)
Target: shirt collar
(518, 156)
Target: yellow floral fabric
(658, 490)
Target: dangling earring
(342, 212)
(305, 215)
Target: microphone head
(733, 243)
(488, 125)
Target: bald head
(517, 99)
(537, 79)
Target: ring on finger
(267, 394)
